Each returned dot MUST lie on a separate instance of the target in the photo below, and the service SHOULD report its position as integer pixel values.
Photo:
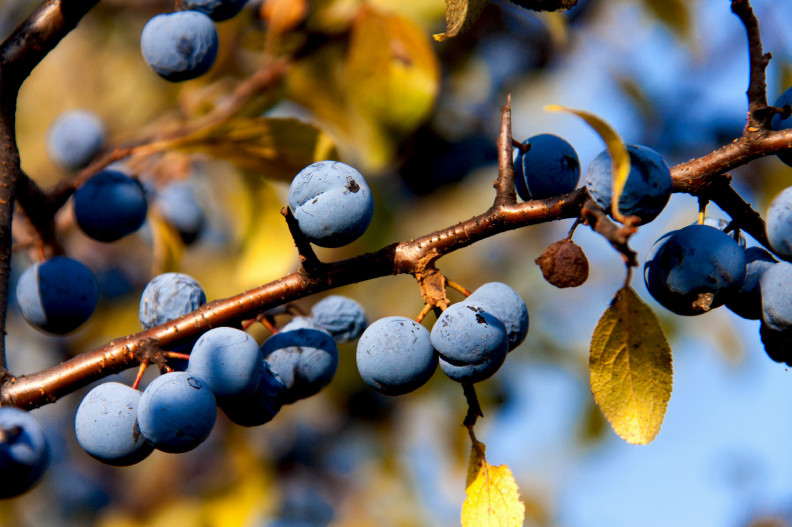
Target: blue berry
(179, 46)
(261, 406)
(180, 208)
(502, 301)
(466, 333)
(57, 295)
(110, 206)
(785, 99)
(340, 316)
(217, 10)
(304, 359)
(474, 372)
(695, 269)
(721, 224)
(331, 202)
(395, 355)
(74, 138)
(549, 168)
(106, 425)
(24, 453)
(176, 412)
(229, 360)
(169, 296)
(779, 223)
(648, 185)
(302, 323)
(777, 344)
(776, 289)
(747, 302)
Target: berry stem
(268, 323)
(474, 408)
(702, 214)
(455, 286)
(628, 278)
(175, 355)
(141, 370)
(575, 225)
(524, 148)
(425, 311)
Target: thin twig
(617, 234)
(759, 115)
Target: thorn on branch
(505, 193)
(308, 258)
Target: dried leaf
(493, 499)
(460, 15)
(276, 148)
(630, 367)
(618, 152)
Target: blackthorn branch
(705, 176)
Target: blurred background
(419, 119)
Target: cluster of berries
(469, 340)
(226, 368)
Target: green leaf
(276, 148)
(630, 367)
(493, 499)
(460, 15)
(616, 149)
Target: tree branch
(37, 36)
(407, 257)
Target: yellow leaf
(276, 148)
(493, 499)
(392, 74)
(283, 15)
(268, 250)
(618, 152)
(460, 15)
(675, 14)
(630, 367)
(167, 245)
